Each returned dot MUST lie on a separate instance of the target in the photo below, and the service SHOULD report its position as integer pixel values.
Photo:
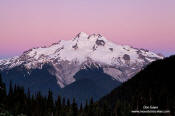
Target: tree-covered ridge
(152, 86)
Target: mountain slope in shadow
(153, 86)
(90, 83)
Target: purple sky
(146, 24)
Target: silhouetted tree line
(17, 102)
(152, 86)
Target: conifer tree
(74, 108)
(81, 107)
(2, 91)
(50, 103)
(10, 89)
(58, 106)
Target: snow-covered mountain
(82, 52)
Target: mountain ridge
(68, 57)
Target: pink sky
(146, 24)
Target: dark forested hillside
(153, 86)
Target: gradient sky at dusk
(146, 24)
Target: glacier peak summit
(67, 57)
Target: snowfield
(119, 61)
